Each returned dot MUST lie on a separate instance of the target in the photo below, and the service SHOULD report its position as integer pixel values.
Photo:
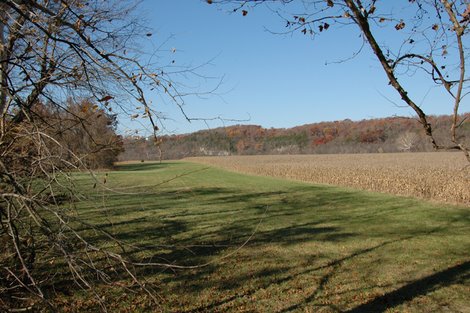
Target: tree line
(394, 134)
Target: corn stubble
(443, 176)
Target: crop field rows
(443, 177)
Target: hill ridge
(377, 135)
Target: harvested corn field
(442, 176)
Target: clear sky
(273, 80)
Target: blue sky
(274, 80)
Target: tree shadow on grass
(279, 278)
(456, 274)
(453, 274)
(288, 213)
(144, 166)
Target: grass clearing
(311, 248)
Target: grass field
(276, 245)
(438, 176)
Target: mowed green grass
(276, 246)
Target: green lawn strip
(311, 248)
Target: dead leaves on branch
(466, 15)
(106, 98)
(400, 25)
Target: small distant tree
(433, 45)
(407, 141)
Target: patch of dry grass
(433, 176)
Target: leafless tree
(433, 44)
(52, 51)
(407, 141)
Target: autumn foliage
(366, 136)
(85, 133)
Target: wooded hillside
(392, 134)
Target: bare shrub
(65, 68)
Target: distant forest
(394, 134)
